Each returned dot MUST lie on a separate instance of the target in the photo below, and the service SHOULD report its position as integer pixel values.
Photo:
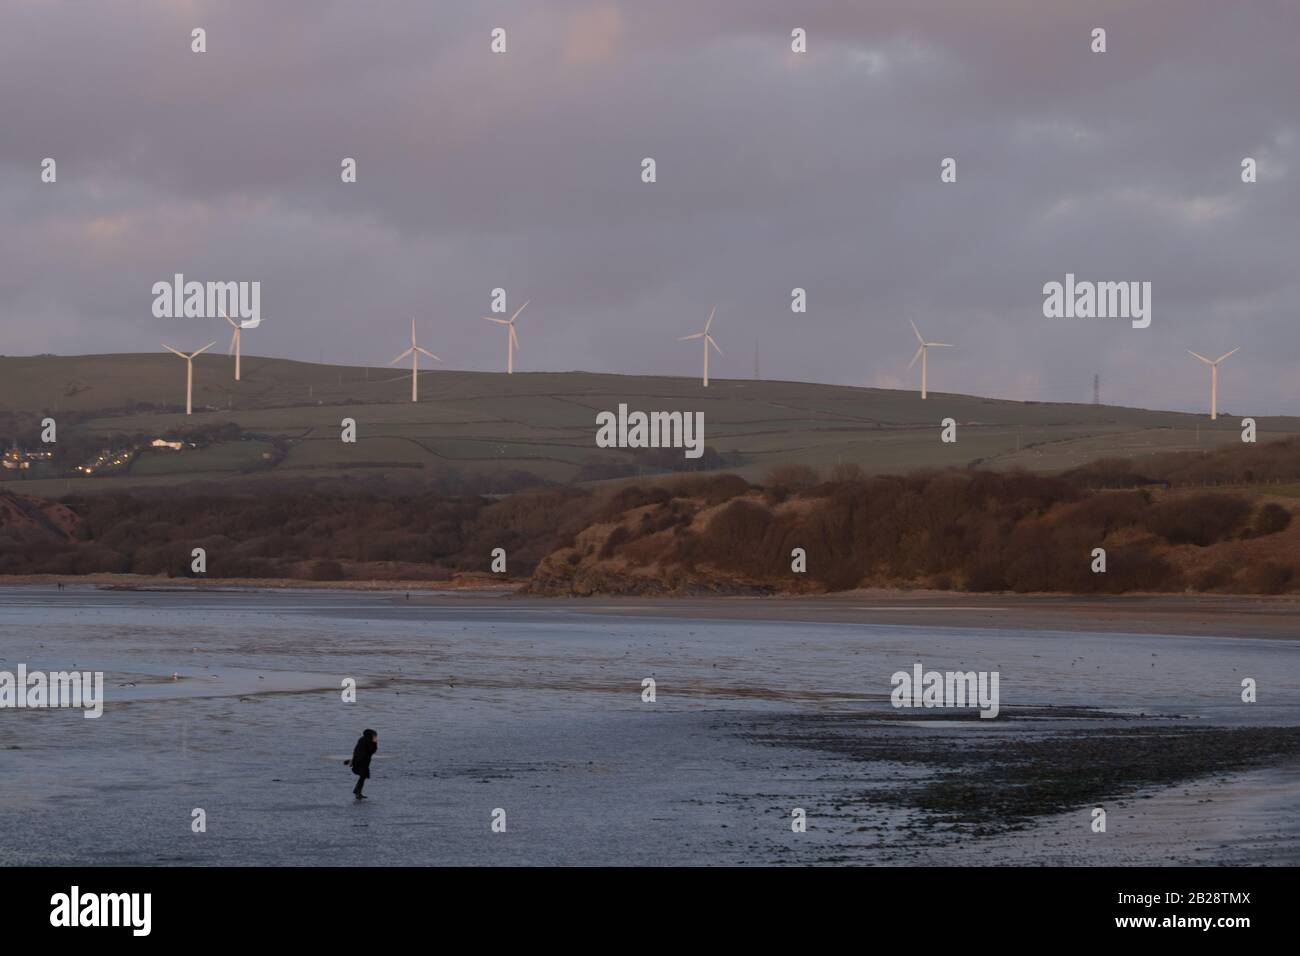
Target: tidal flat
(231, 701)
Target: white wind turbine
(189, 372)
(708, 340)
(415, 352)
(511, 339)
(234, 339)
(1214, 379)
(923, 353)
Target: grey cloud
(522, 171)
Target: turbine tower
(923, 353)
(189, 372)
(234, 339)
(708, 340)
(415, 352)
(1214, 379)
(511, 339)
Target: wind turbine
(234, 339)
(415, 352)
(511, 339)
(189, 373)
(1214, 379)
(923, 353)
(708, 340)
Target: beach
(537, 707)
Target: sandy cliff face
(29, 520)
(647, 550)
(957, 530)
(557, 576)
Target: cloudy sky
(775, 170)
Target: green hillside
(542, 423)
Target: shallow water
(490, 702)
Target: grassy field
(544, 423)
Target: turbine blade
(173, 351)
(520, 309)
(204, 349)
(229, 319)
(413, 332)
(402, 356)
(917, 331)
(427, 352)
(940, 345)
(919, 350)
(1226, 354)
(513, 336)
(489, 318)
(685, 338)
(233, 339)
(1199, 356)
(710, 321)
(709, 339)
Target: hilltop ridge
(284, 419)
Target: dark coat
(361, 755)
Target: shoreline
(1254, 616)
(476, 581)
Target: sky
(775, 170)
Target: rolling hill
(288, 417)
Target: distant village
(18, 459)
(107, 460)
(82, 458)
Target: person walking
(360, 762)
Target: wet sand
(1161, 613)
(763, 705)
(1211, 615)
